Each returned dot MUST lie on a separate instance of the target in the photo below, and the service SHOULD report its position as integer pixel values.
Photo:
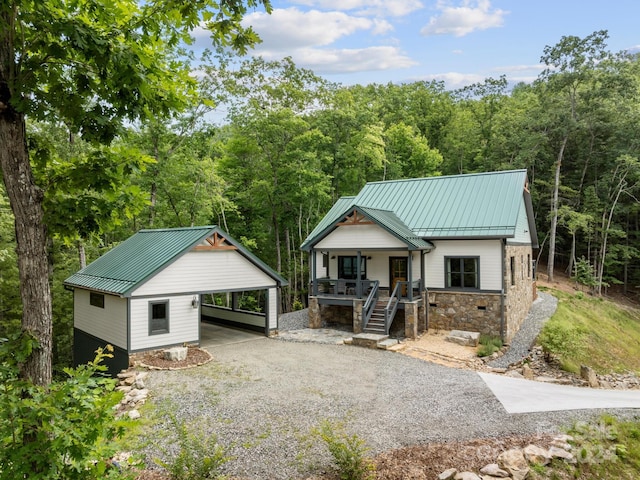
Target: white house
(451, 252)
(147, 293)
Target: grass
(608, 448)
(488, 345)
(595, 332)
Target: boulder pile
(516, 463)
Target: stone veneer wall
(471, 311)
(481, 312)
(520, 296)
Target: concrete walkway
(526, 396)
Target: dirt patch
(428, 461)
(433, 347)
(155, 360)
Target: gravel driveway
(263, 398)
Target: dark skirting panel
(84, 351)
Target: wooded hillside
(265, 149)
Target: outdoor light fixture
(195, 302)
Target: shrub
(63, 431)
(348, 452)
(199, 457)
(557, 338)
(489, 345)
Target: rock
(498, 369)
(139, 384)
(461, 337)
(527, 372)
(134, 414)
(494, 470)
(466, 476)
(605, 384)
(589, 375)
(123, 388)
(175, 354)
(560, 443)
(129, 380)
(448, 474)
(514, 374)
(513, 461)
(126, 374)
(564, 438)
(556, 452)
(545, 379)
(536, 455)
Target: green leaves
(64, 431)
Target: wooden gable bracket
(216, 242)
(355, 218)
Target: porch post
(234, 301)
(312, 270)
(358, 276)
(410, 275)
(423, 281)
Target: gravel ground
(294, 320)
(541, 310)
(263, 399)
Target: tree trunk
(554, 212)
(82, 255)
(26, 198)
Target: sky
(459, 42)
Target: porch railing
(392, 305)
(370, 304)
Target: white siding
(108, 323)
(359, 236)
(273, 309)
(206, 271)
(522, 234)
(489, 251)
(377, 265)
(183, 323)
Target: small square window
(96, 299)
(158, 317)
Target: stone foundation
(474, 312)
(520, 293)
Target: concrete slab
(212, 335)
(527, 396)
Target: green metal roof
(481, 205)
(128, 265)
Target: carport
(147, 293)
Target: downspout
(423, 272)
(410, 275)
(502, 293)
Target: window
(158, 317)
(96, 299)
(528, 265)
(462, 272)
(512, 263)
(347, 267)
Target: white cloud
(455, 80)
(470, 16)
(538, 67)
(291, 28)
(457, 52)
(382, 8)
(327, 61)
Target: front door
(398, 273)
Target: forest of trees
(265, 148)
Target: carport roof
(142, 255)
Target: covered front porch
(375, 291)
(368, 263)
